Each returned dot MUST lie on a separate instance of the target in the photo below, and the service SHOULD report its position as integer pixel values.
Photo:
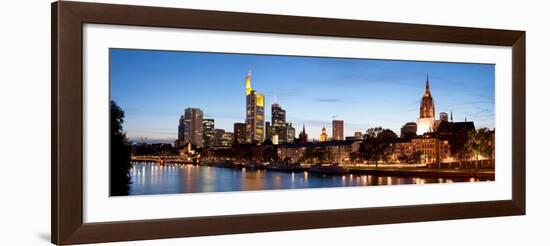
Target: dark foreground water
(148, 178)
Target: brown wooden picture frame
(67, 122)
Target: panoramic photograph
(193, 122)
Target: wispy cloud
(328, 100)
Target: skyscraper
(223, 138)
(279, 128)
(291, 133)
(227, 139)
(218, 140)
(255, 115)
(181, 129)
(426, 120)
(239, 136)
(337, 130)
(192, 126)
(268, 131)
(208, 133)
(278, 115)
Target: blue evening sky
(155, 87)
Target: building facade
(337, 130)
(268, 130)
(190, 127)
(291, 133)
(218, 137)
(227, 139)
(239, 133)
(181, 132)
(337, 151)
(432, 150)
(255, 115)
(208, 133)
(409, 130)
(278, 115)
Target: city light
(264, 150)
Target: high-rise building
(291, 133)
(181, 135)
(337, 130)
(358, 135)
(275, 139)
(227, 139)
(303, 135)
(279, 127)
(190, 127)
(278, 115)
(218, 140)
(268, 131)
(239, 136)
(208, 133)
(426, 120)
(324, 136)
(408, 130)
(255, 115)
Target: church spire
(451, 115)
(427, 82)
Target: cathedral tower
(426, 119)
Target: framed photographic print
(174, 122)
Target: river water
(150, 178)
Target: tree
(269, 152)
(268, 141)
(459, 145)
(403, 158)
(377, 144)
(323, 155)
(120, 154)
(355, 156)
(480, 143)
(416, 157)
(309, 155)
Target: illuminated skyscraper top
(248, 86)
(254, 120)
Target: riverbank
(385, 171)
(424, 172)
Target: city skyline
(155, 87)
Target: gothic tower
(427, 109)
(426, 119)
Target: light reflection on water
(149, 178)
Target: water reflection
(150, 178)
